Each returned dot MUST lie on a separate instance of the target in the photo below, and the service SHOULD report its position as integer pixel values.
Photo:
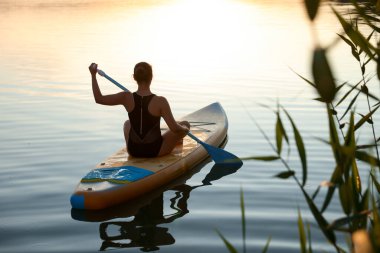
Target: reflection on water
(145, 230)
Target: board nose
(77, 201)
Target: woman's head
(143, 73)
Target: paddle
(103, 74)
(220, 156)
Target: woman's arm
(167, 114)
(114, 99)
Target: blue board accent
(120, 175)
(77, 201)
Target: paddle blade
(221, 156)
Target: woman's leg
(171, 139)
(127, 128)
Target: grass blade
(242, 208)
(228, 245)
(300, 147)
(301, 231)
(309, 238)
(265, 249)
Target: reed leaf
(376, 183)
(340, 86)
(338, 223)
(366, 17)
(334, 139)
(347, 93)
(323, 77)
(356, 177)
(350, 142)
(312, 8)
(301, 231)
(366, 146)
(300, 148)
(228, 245)
(279, 134)
(355, 36)
(305, 79)
(352, 102)
(316, 192)
(367, 61)
(369, 94)
(365, 118)
(369, 121)
(376, 223)
(354, 51)
(266, 247)
(365, 157)
(344, 195)
(335, 179)
(322, 223)
(285, 174)
(262, 158)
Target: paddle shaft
(102, 73)
(192, 136)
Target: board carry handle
(220, 156)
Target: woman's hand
(93, 69)
(185, 126)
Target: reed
(359, 200)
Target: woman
(142, 131)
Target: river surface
(240, 53)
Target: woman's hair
(143, 73)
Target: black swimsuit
(145, 138)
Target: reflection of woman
(143, 230)
(142, 131)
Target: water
(240, 53)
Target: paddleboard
(122, 177)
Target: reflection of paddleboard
(121, 177)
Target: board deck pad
(117, 175)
